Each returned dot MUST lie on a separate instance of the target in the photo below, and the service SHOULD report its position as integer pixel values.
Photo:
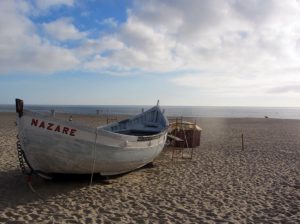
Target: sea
(174, 111)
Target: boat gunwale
(150, 137)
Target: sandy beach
(222, 184)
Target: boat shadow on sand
(15, 190)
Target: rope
(29, 183)
(94, 160)
(29, 178)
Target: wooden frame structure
(184, 135)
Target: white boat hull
(55, 146)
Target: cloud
(22, 49)
(46, 4)
(111, 22)
(233, 46)
(294, 88)
(62, 29)
(230, 46)
(224, 83)
(134, 46)
(257, 83)
(208, 35)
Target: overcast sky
(183, 52)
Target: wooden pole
(175, 133)
(173, 153)
(243, 142)
(192, 153)
(181, 122)
(193, 141)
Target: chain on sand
(21, 157)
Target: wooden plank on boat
(175, 138)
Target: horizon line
(135, 105)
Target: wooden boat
(52, 145)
